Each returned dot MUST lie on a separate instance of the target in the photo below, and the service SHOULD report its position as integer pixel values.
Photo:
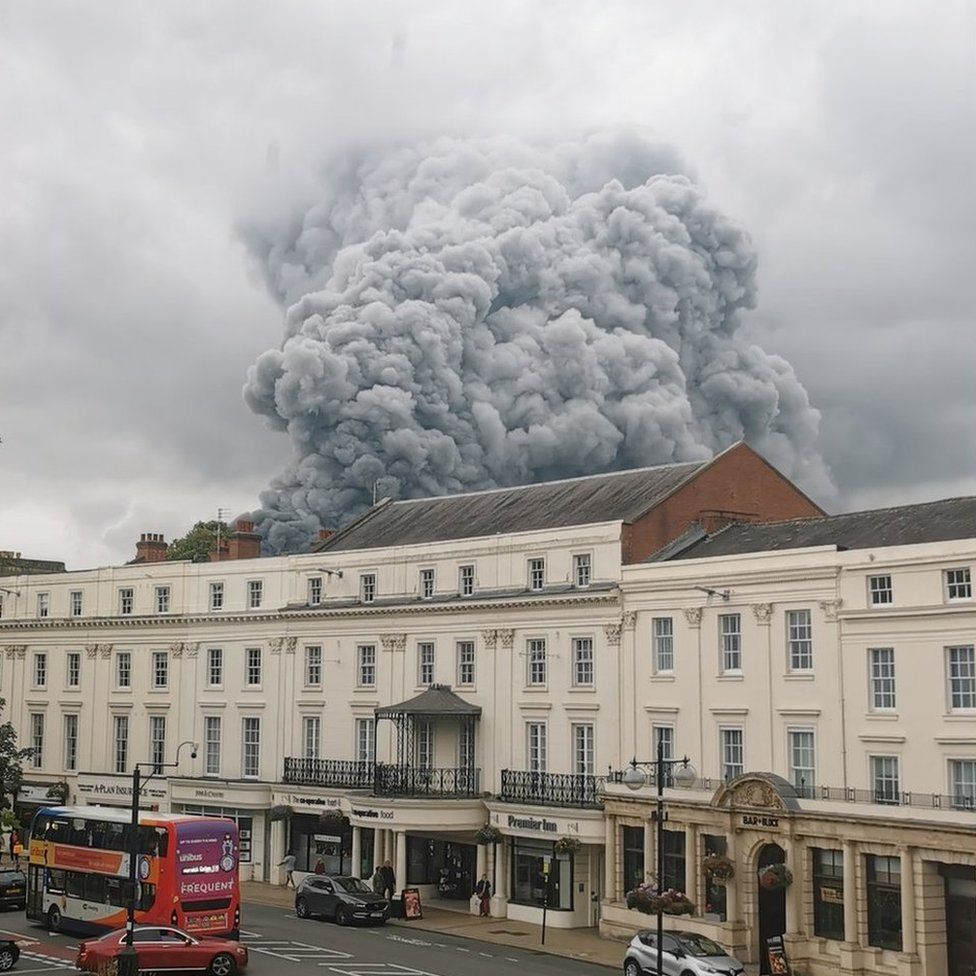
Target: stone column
(733, 888)
(277, 852)
(400, 844)
(851, 934)
(794, 894)
(499, 900)
(610, 857)
(357, 851)
(691, 863)
(908, 920)
(650, 851)
(481, 861)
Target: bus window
(55, 881)
(115, 837)
(39, 826)
(148, 897)
(115, 889)
(74, 884)
(95, 888)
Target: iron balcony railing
(328, 772)
(391, 780)
(551, 789)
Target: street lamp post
(683, 775)
(128, 960)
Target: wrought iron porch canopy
(438, 701)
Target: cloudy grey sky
(138, 140)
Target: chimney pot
(325, 534)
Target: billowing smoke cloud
(465, 314)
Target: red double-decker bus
(78, 871)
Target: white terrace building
(821, 675)
(437, 665)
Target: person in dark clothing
(389, 880)
(483, 891)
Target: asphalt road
(282, 945)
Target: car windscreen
(699, 945)
(352, 885)
(11, 877)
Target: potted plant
(331, 816)
(775, 876)
(567, 845)
(719, 868)
(279, 812)
(647, 899)
(487, 834)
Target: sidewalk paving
(585, 945)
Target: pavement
(584, 945)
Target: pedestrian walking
(13, 840)
(389, 880)
(483, 891)
(288, 863)
(377, 880)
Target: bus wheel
(222, 965)
(54, 918)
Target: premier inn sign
(531, 823)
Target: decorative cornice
(628, 620)
(612, 632)
(176, 649)
(490, 637)
(393, 642)
(831, 608)
(693, 615)
(763, 613)
(105, 650)
(507, 636)
(91, 650)
(20, 650)
(290, 644)
(191, 648)
(276, 644)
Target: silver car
(682, 954)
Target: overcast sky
(137, 140)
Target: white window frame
(43, 604)
(584, 748)
(311, 736)
(120, 744)
(367, 587)
(251, 747)
(255, 594)
(797, 750)
(466, 747)
(732, 752)
(314, 591)
(76, 603)
(123, 668)
(961, 677)
(537, 662)
(366, 740)
(665, 731)
(962, 783)
(160, 670)
(426, 663)
(365, 665)
(37, 739)
(72, 675)
(425, 744)
(536, 573)
(215, 667)
(212, 744)
(39, 674)
(880, 590)
(584, 662)
(582, 569)
(466, 580)
(961, 589)
(157, 742)
(882, 679)
(536, 747)
(161, 598)
(730, 643)
(799, 641)
(466, 661)
(127, 600)
(426, 583)
(662, 641)
(313, 665)
(216, 592)
(881, 767)
(253, 667)
(70, 726)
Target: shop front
(318, 830)
(110, 790)
(549, 860)
(850, 888)
(247, 804)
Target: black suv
(343, 898)
(13, 889)
(9, 954)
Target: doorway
(772, 904)
(960, 904)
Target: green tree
(199, 542)
(11, 758)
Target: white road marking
(376, 969)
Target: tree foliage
(199, 542)
(11, 760)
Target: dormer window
(581, 569)
(426, 584)
(314, 590)
(537, 573)
(367, 587)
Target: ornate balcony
(349, 774)
(551, 789)
(426, 781)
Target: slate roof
(436, 701)
(940, 521)
(620, 495)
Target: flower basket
(567, 845)
(645, 898)
(58, 791)
(488, 834)
(719, 868)
(775, 876)
(279, 812)
(331, 816)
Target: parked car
(343, 898)
(9, 954)
(13, 889)
(165, 949)
(682, 954)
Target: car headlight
(705, 968)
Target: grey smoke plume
(465, 314)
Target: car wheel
(8, 957)
(54, 918)
(222, 965)
(301, 908)
(342, 915)
(632, 968)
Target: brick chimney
(325, 534)
(711, 520)
(151, 548)
(244, 542)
